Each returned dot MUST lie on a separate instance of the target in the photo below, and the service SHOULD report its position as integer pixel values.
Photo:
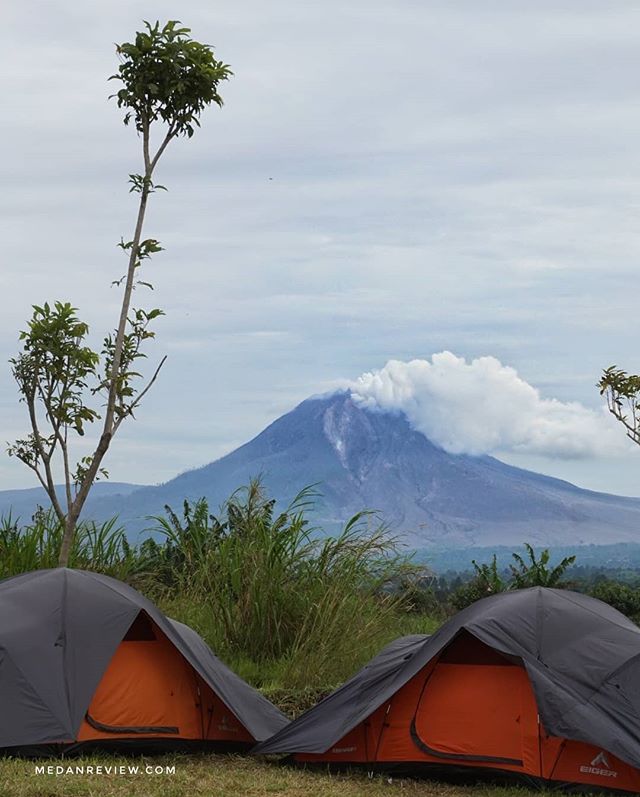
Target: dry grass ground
(216, 776)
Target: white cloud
(483, 406)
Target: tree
(167, 80)
(487, 581)
(536, 572)
(532, 572)
(622, 391)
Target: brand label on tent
(599, 766)
(227, 727)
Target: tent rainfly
(87, 661)
(540, 684)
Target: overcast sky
(387, 180)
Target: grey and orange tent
(86, 661)
(540, 684)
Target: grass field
(216, 776)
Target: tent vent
(140, 630)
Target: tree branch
(35, 469)
(615, 408)
(145, 146)
(170, 134)
(67, 472)
(140, 396)
(49, 485)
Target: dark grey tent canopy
(60, 628)
(582, 658)
(332, 718)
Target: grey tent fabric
(320, 727)
(581, 655)
(58, 631)
(253, 710)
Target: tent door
(469, 713)
(148, 689)
(477, 707)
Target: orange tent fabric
(473, 708)
(149, 691)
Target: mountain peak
(363, 458)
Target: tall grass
(278, 600)
(267, 589)
(35, 545)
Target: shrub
(624, 598)
(530, 572)
(536, 572)
(487, 581)
(268, 588)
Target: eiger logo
(601, 760)
(600, 766)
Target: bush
(530, 572)
(536, 571)
(266, 588)
(487, 581)
(420, 600)
(624, 598)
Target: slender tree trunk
(73, 512)
(67, 539)
(110, 421)
(75, 508)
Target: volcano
(360, 458)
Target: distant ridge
(23, 503)
(363, 458)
